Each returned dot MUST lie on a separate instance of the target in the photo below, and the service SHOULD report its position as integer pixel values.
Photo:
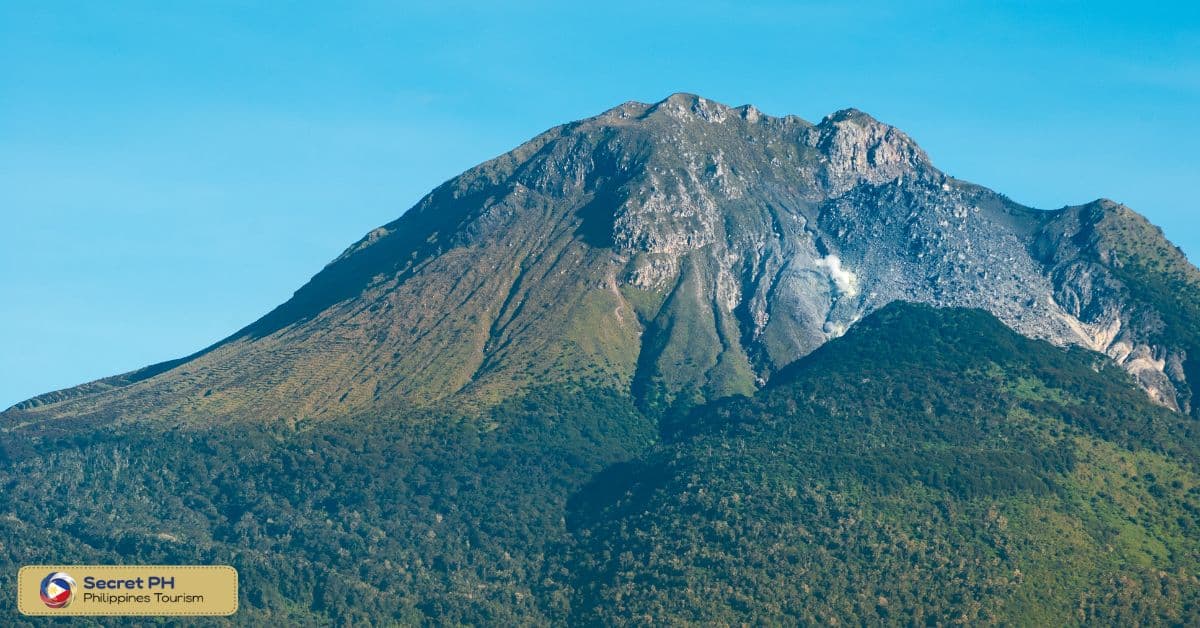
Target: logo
(57, 589)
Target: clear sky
(169, 174)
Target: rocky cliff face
(1128, 293)
(683, 250)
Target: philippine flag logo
(57, 590)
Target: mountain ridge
(683, 249)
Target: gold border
(50, 612)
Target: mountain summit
(682, 250)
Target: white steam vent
(843, 278)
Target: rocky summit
(682, 251)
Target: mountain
(678, 361)
(685, 250)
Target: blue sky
(168, 173)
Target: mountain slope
(683, 251)
(930, 466)
(446, 517)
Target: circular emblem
(57, 590)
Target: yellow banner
(116, 590)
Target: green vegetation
(379, 519)
(929, 467)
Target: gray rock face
(685, 249)
(1093, 287)
(804, 229)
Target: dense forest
(424, 516)
(929, 467)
